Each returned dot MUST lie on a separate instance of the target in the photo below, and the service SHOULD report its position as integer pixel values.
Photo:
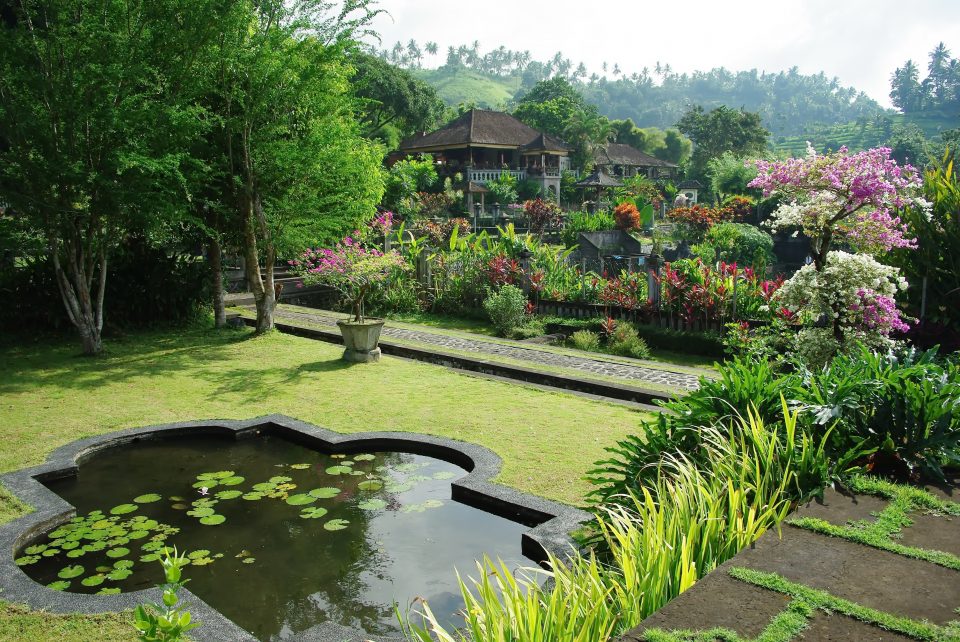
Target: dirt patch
(935, 532)
(838, 507)
(861, 574)
(717, 600)
(839, 628)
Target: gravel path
(520, 352)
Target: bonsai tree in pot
(356, 272)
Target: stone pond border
(551, 522)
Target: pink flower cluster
(878, 312)
(856, 192)
(382, 223)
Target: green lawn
(51, 396)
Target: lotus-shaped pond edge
(550, 522)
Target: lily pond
(281, 537)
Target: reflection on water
(276, 565)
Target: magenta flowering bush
(355, 271)
(843, 299)
(843, 197)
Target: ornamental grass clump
(353, 270)
(654, 545)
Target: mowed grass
(50, 396)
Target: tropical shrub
(692, 222)
(585, 340)
(585, 222)
(503, 190)
(440, 233)
(405, 179)
(626, 342)
(741, 207)
(506, 308)
(542, 214)
(626, 216)
(738, 243)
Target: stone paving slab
(522, 352)
(839, 628)
(861, 574)
(720, 602)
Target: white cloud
(859, 41)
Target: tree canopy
(721, 130)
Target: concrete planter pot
(360, 340)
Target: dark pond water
(284, 537)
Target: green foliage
(937, 257)
(626, 342)
(740, 243)
(393, 99)
(406, 178)
(530, 329)
(503, 191)
(706, 344)
(729, 174)
(721, 130)
(169, 621)
(506, 308)
(939, 91)
(585, 340)
(585, 222)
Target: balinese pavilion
(481, 145)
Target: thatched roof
(599, 178)
(480, 127)
(620, 154)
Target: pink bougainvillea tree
(843, 201)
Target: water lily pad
(301, 499)
(27, 560)
(150, 557)
(69, 545)
(197, 554)
(59, 585)
(119, 574)
(300, 466)
(229, 494)
(70, 572)
(206, 476)
(206, 483)
(75, 553)
(61, 532)
(36, 549)
(252, 496)
(93, 580)
(149, 498)
(138, 534)
(432, 503)
(395, 487)
(279, 479)
(232, 481)
(152, 545)
(201, 561)
(149, 524)
(336, 524)
(418, 478)
(364, 457)
(123, 509)
(223, 474)
(324, 493)
(101, 525)
(243, 553)
(118, 541)
(176, 498)
(444, 474)
(108, 590)
(313, 512)
(264, 487)
(118, 552)
(250, 560)
(339, 470)
(213, 520)
(203, 511)
(370, 484)
(50, 552)
(408, 467)
(372, 504)
(338, 456)
(421, 507)
(357, 472)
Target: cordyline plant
(852, 199)
(351, 269)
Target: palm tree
(431, 48)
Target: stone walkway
(845, 590)
(515, 350)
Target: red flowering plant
(629, 290)
(542, 215)
(627, 216)
(502, 270)
(693, 221)
(350, 268)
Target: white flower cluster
(820, 299)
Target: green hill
(466, 86)
(862, 134)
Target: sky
(859, 42)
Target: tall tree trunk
(84, 305)
(261, 283)
(216, 281)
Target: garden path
(807, 585)
(667, 376)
